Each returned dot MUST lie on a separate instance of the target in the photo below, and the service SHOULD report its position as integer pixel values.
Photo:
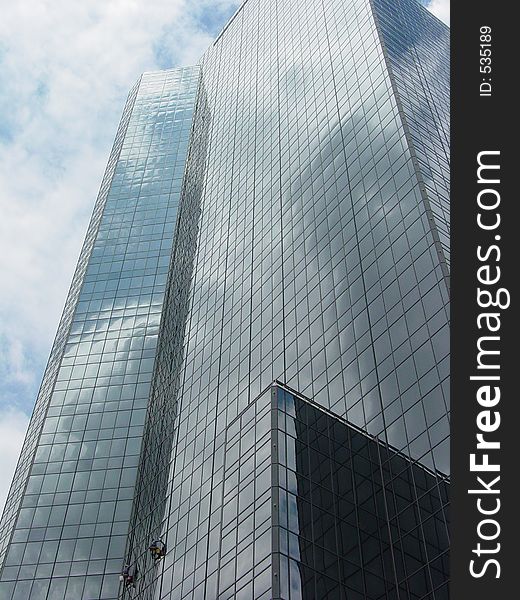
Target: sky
(65, 70)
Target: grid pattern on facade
(241, 539)
(331, 276)
(311, 507)
(316, 262)
(418, 47)
(70, 533)
(151, 493)
(352, 518)
(27, 454)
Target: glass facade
(352, 518)
(68, 534)
(311, 250)
(417, 48)
(318, 264)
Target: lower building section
(311, 507)
(352, 519)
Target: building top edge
(160, 72)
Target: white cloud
(13, 425)
(65, 70)
(441, 9)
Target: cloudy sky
(65, 70)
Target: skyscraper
(270, 411)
